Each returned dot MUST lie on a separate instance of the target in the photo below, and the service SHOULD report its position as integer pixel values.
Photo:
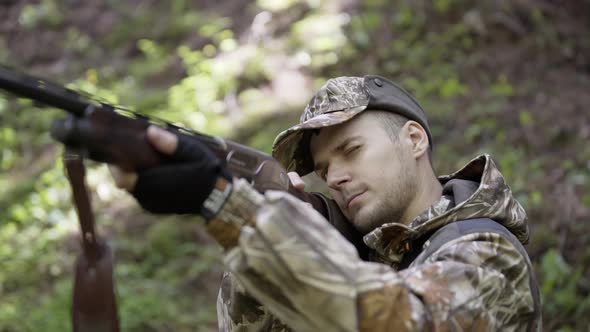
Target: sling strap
(427, 245)
(94, 307)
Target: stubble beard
(392, 205)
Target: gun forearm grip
(330, 210)
(109, 137)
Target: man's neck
(430, 192)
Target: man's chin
(362, 224)
(366, 222)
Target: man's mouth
(352, 200)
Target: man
(444, 254)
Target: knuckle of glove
(179, 188)
(191, 150)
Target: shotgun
(112, 134)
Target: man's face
(371, 177)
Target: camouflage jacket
(306, 277)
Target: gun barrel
(43, 91)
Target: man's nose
(336, 177)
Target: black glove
(183, 184)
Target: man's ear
(418, 138)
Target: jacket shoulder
(461, 228)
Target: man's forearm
(289, 258)
(292, 261)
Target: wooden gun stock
(105, 133)
(106, 136)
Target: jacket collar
(477, 190)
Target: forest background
(508, 78)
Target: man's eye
(352, 149)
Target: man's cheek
(339, 201)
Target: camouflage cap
(337, 101)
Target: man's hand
(179, 186)
(162, 140)
(296, 181)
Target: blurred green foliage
(559, 290)
(47, 12)
(217, 67)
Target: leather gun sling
(94, 305)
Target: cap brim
(286, 147)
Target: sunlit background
(508, 78)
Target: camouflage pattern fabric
(306, 277)
(337, 101)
